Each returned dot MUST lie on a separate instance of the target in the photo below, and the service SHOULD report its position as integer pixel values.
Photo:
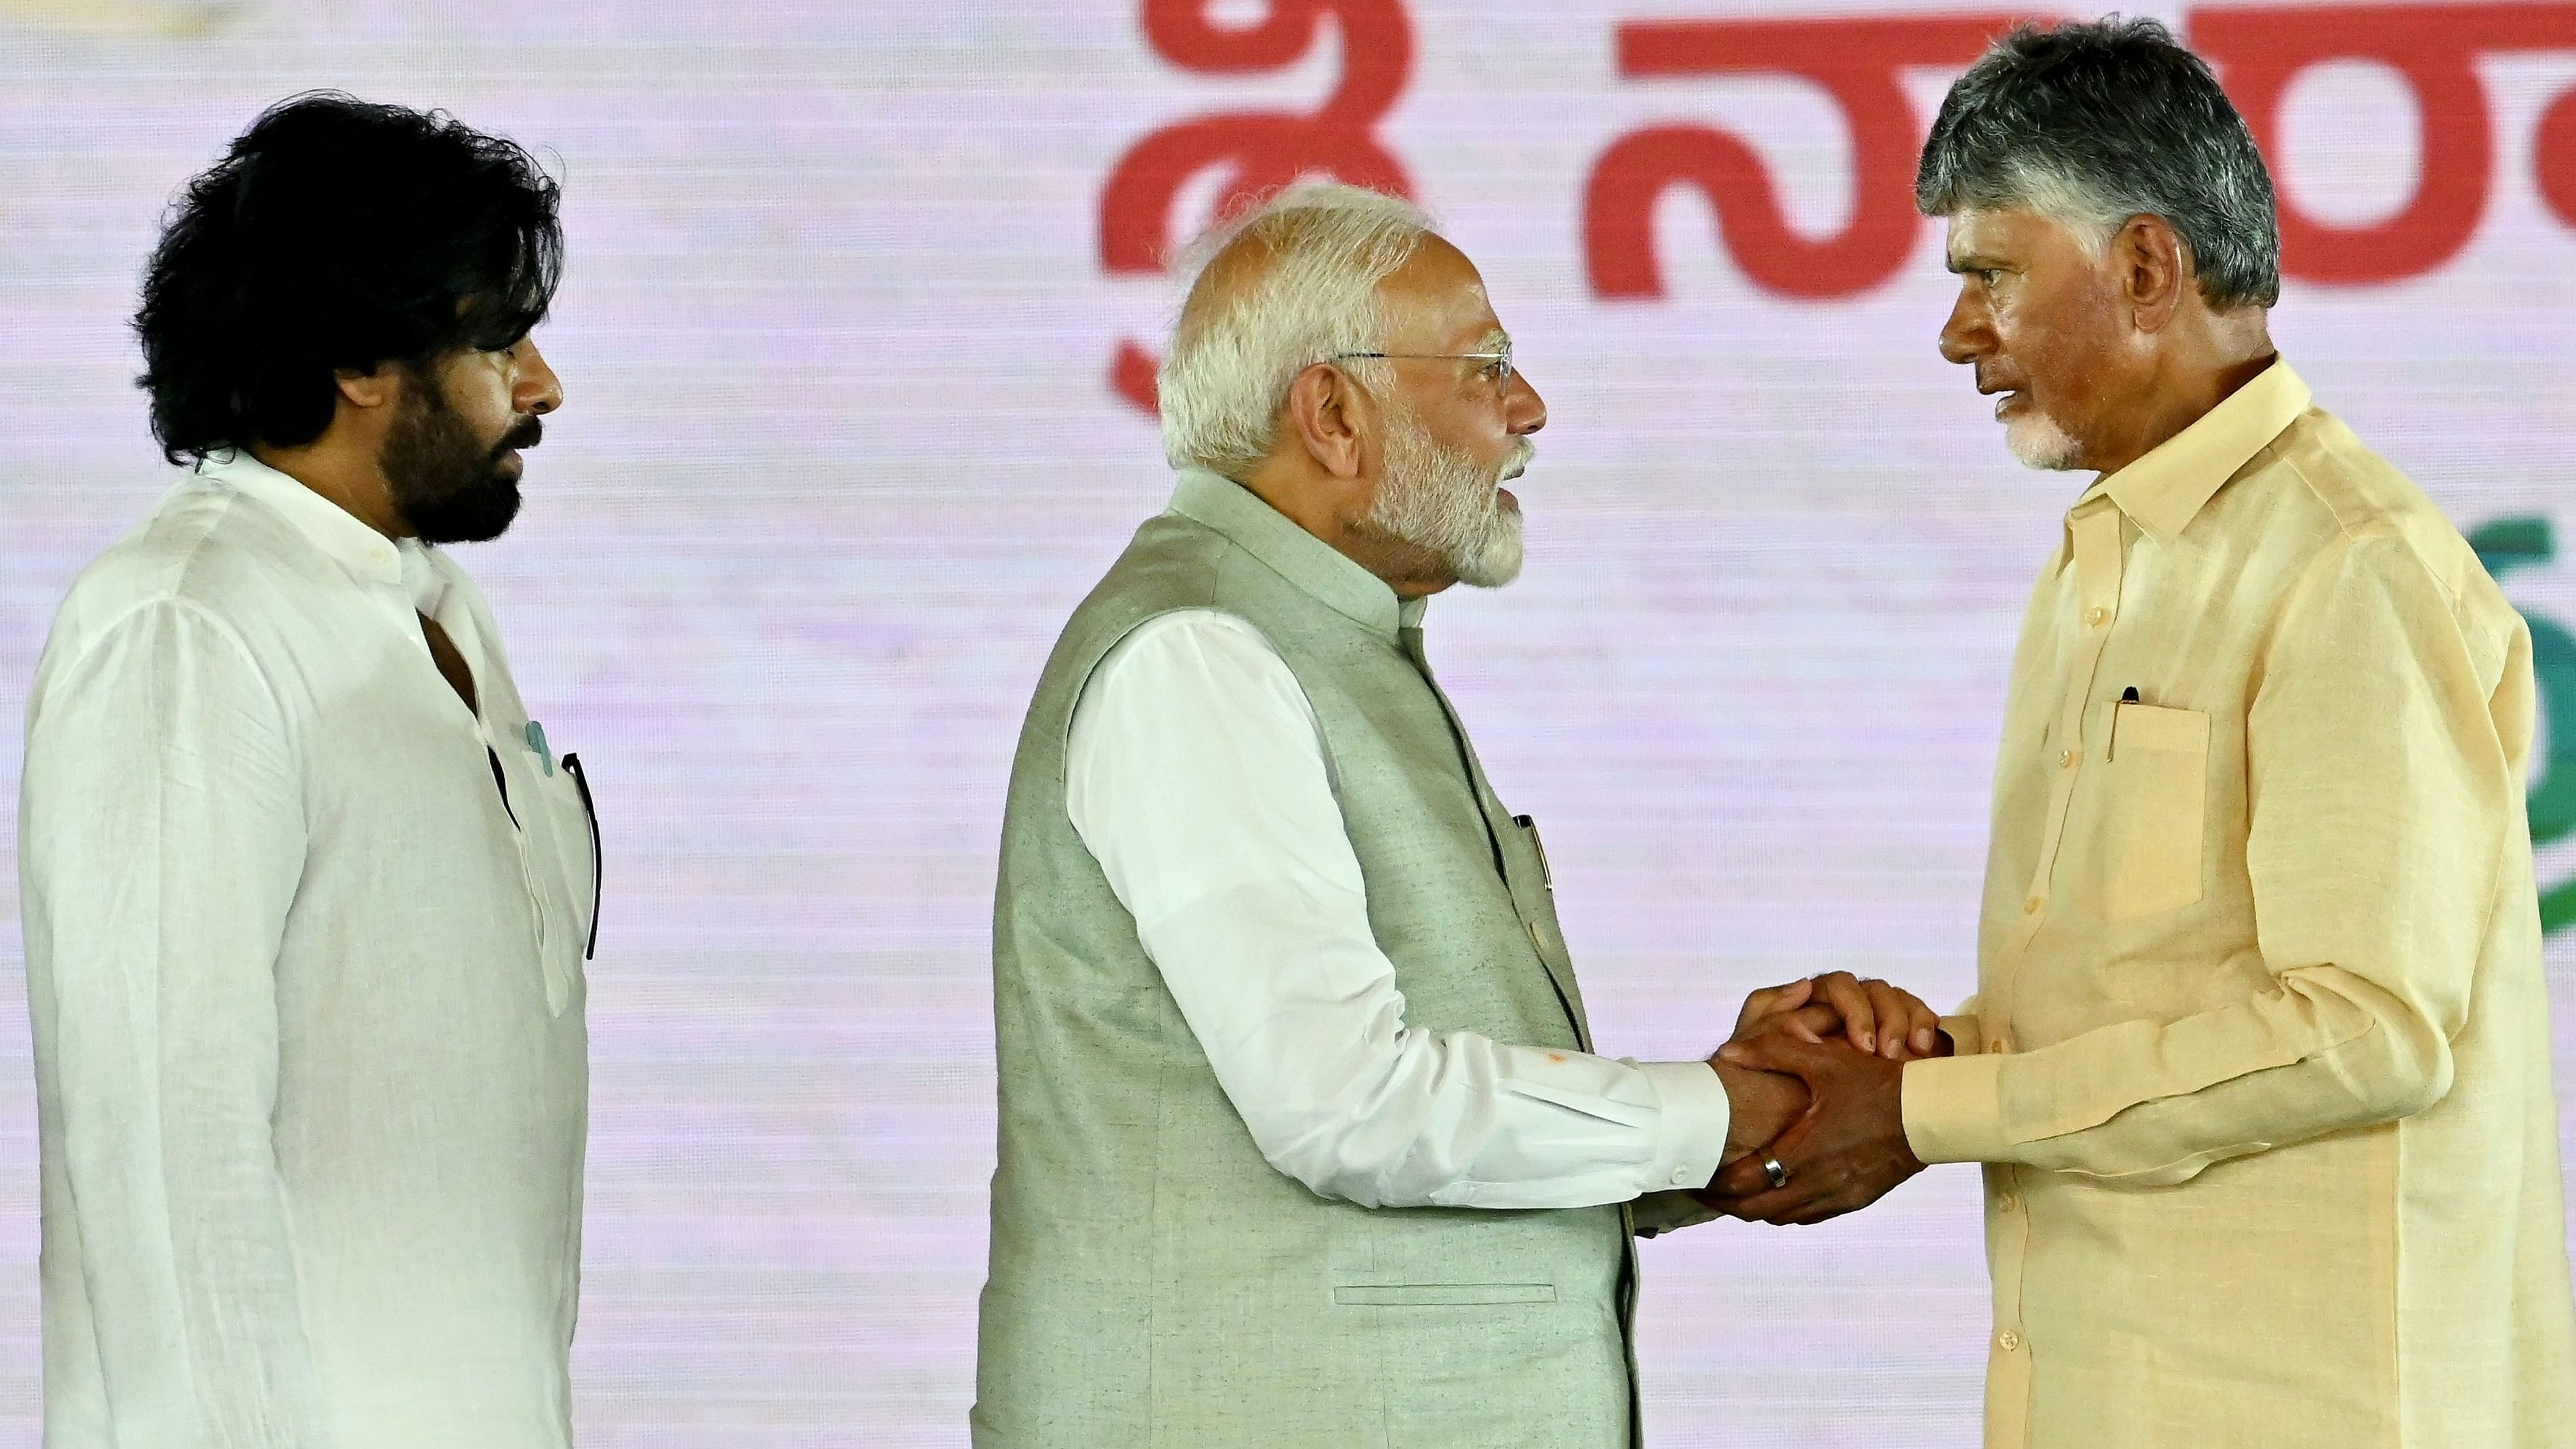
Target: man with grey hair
(2259, 1063)
(1303, 1142)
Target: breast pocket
(1440, 1295)
(2159, 786)
(563, 842)
(576, 841)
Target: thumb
(1771, 1052)
(1770, 1001)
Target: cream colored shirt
(307, 997)
(2259, 1062)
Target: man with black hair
(306, 891)
(2258, 1068)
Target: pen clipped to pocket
(2136, 725)
(590, 816)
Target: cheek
(485, 401)
(2057, 347)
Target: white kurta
(307, 997)
(1197, 776)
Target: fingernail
(1867, 1040)
(1924, 1040)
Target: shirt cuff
(1690, 1130)
(1953, 1110)
(1967, 1035)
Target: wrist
(1762, 1105)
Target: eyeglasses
(1497, 369)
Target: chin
(2036, 441)
(1495, 559)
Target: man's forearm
(2151, 1103)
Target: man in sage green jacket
(1303, 1142)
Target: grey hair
(1236, 349)
(2095, 123)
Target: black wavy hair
(336, 234)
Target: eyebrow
(1496, 340)
(1972, 262)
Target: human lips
(2011, 397)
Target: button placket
(467, 636)
(2093, 529)
(2094, 533)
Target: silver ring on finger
(1778, 1174)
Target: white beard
(1436, 498)
(2036, 441)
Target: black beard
(446, 483)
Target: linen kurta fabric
(1155, 1281)
(2259, 1060)
(307, 997)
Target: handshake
(1815, 1075)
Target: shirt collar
(2167, 488)
(1300, 557)
(325, 524)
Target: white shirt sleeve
(163, 842)
(1197, 776)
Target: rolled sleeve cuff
(1953, 1109)
(1690, 1128)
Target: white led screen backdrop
(857, 341)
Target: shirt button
(2096, 617)
(2008, 1203)
(1681, 1176)
(2031, 907)
(2008, 1341)
(2066, 759)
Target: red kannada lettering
(1855, 61)
(2260, 50)
(1263, 150)
(1858, 62)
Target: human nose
(1968, 334)
(1524, 411)
(537, 389)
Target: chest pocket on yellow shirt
(2159, 781)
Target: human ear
(368, 389)
(1319, 408)
(2153, 264)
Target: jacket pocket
(2159, 786)
(1440, 1295)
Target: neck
(2188, 381)
(354, 483)
(1335, 509)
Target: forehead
(2004, 232)
(1438, 296)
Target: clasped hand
(1816, 1072)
